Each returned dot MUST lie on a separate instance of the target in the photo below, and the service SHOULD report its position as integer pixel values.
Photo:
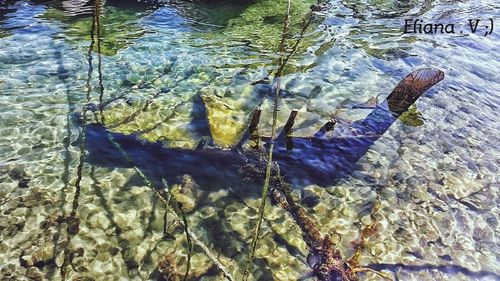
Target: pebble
(18, 173)
(413, 181)
(24, 183)
(400, 176)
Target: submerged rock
(24, 183)
(18, 173)
(228, 113)
(186, 194)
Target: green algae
(260, 26)
(4, 33)
(262, 22)
(216, 13)
(412, 117)
(55, 14)
(165, 119)
(380, 8)
(118, 28)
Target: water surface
(435, 171)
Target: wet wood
(289, 123)
(324, 259)
(255, 121)
(412, 87)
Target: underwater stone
(492, 221)
(377, 249)
(413, 181)
(478, 201)
(400, 176)
(419, 196)
(482, 233)
(40, 257)
(73, 226)
(461, 187)
(337, 191)
(18, 173)
(227, 116)
(437, 154)
(310, 201)
(127, 220)
(34, 273)
(134, 78)
(133, 101)
(99, 220)
(187, 203)
(141, 252)
(310, 197)
(134, 235)
(24, 183)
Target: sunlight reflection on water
(435, 172)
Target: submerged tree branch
(325, 261)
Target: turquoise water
(435, 171)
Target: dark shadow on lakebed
(321, 159)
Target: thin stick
(367, 231)
(71, 219)
(97, 7)
(367, 269)
(251, 131)
(290, 122)
(255, 121)
(178, 209)
(265, 188)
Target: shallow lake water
(186, 76)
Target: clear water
(435, 171)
